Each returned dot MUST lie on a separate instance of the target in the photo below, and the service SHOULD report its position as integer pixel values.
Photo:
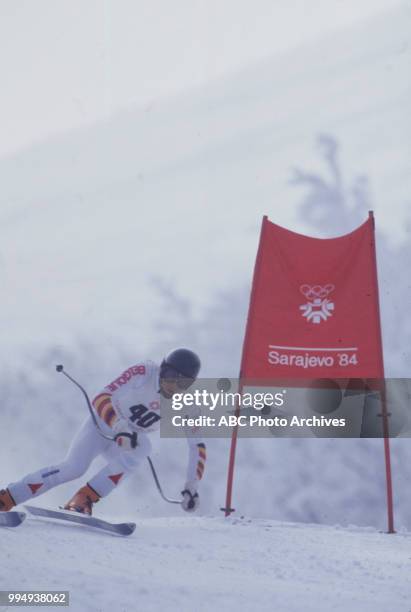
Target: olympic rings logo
(316, 291)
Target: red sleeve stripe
(110, 417)
(104, 408)
(202, 456)
(101, 396)
(100, 401)
(107, 414)
(200, 470)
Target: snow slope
(185, 564)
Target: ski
(11, 519)
(123, 529)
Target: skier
(128, 409)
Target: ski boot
(83, 500)
(6, 501)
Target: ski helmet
(181, 364)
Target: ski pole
(60, 368)
(160, 490)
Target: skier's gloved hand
(191, 500)
(124, 436)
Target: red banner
(314, 307)
(314, 314)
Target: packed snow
(207, 563)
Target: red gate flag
(314, 313)
(314, 309)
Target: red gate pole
(384, 413)
(230, 476)
(390, 509)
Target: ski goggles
(170, 374)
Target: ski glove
(124, 436)
(191, 500)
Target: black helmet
(181, 363)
